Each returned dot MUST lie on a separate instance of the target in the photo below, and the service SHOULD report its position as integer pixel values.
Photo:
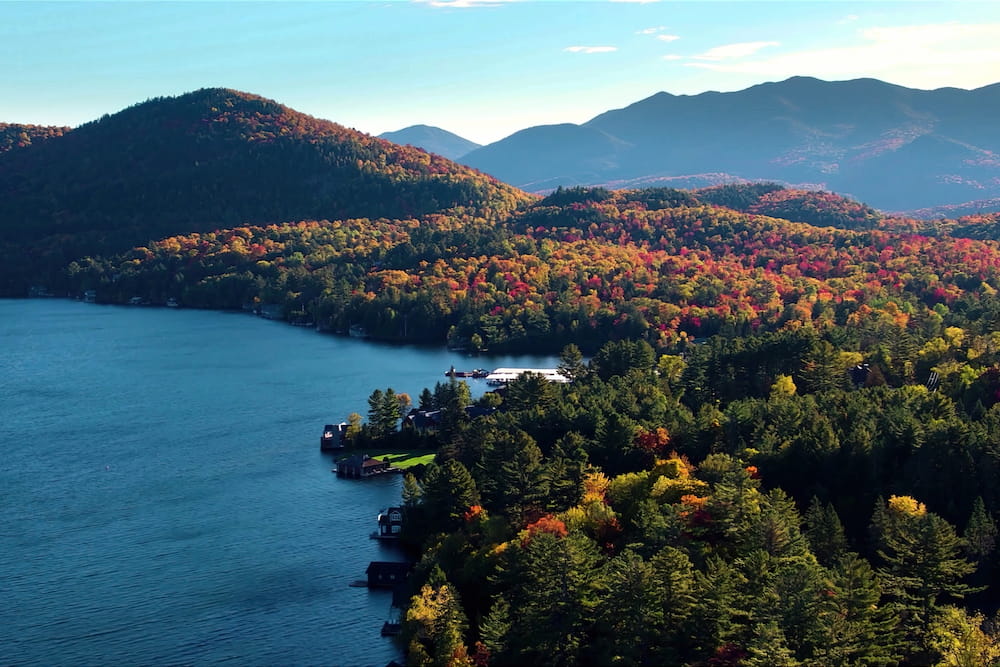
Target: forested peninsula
(782, 448)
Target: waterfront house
(334, 437)
(428, 421)
(422, 421)
(384, 574)
(362, 465)
(271, 311)
(390, 522)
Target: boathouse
(390, 522)
(362, 465)
(385, 574)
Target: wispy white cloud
(668, 38)
(921, 56)
(850, 18)
(464, 4)
(651, 31)
(591, 49)
(672, 56)
(739, 50)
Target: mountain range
(895, 148)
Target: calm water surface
(162, 494)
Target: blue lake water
(162, 494)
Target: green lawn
(405, 458)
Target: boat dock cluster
(502, 376)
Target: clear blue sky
(480, 68)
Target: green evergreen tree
(860, 630)
(824, 532)
(555, 597)
(426, 400)
(571, 365)
(631, 613)
(923, 563)
(448, 493)
(493, 631)
(562, 474)
(675, 590)
(980, 532)
(510, 474)
(383, 413)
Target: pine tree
(375, 403)
(860, 630)
(554, 598)
(448, 493)
(426, 400)
(980, 532)
(923, 564)
(571, 364)
(631, 614)
(494, 629)
(562, 475)
(824, 532)
(675, 584)
(510, 473)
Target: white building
(505, 375)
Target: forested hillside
(208, 160)
(14, 135)
(580, 266)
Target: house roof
(377, 567)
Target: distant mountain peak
(433, 140)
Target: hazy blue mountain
(433, 140)
(897, 148)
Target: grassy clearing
(405, 458)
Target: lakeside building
(362, 465)
(505, 375)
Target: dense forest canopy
(579, 266)
(749, 502)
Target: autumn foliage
(546, 524)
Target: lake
(163, 498)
